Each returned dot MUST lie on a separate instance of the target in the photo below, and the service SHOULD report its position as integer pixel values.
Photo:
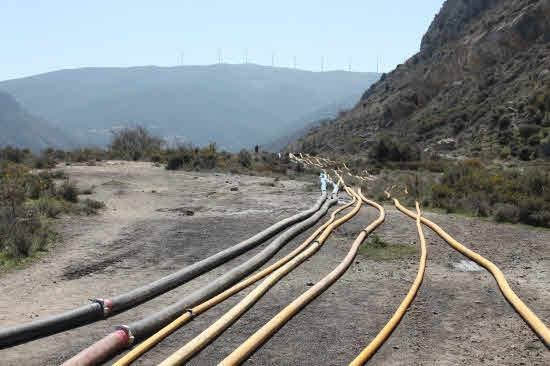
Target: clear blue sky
(44, 35)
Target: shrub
(528, 130)
(245, 159)
(134, 143)
(90, 207)
(88, 191)
(509, 195)
(506, 212)
(174, 163)
(49, 207)
(43, 162)
(387, 149)
(23, 234)
(376, 242)
(68, 191)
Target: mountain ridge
(23, 130)
(234, 105)
(480, 81)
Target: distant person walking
(323, 179)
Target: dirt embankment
(158, 221)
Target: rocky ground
(158, 221)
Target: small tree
(134, 143)
(13, 185)
(245, 159)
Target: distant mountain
(21, 129)
(480, 86)
(233, 105)
(310, 121)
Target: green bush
(528, 130)
(91, 207)
(245, 159)
(376, 242)
(510, 195)
(134, 143)
(507, 212)
(386, 149)
(49, 206)
(174, 163)
(68, 191)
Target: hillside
(21, 129)
(233, 105)
(479, 86)
(314, 119)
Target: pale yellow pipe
(156, 338)
(529, 316)
(246, 349)
(211, 333)
(386, 331)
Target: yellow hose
(530, 318)
(211, 333)
(156, 338)
(386, 331)
(244, 351)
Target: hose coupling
(106, 305)
(128, 332)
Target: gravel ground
(158, 221)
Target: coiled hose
(183, 319)
(103, 308)
(101, 350)
(527, 314)
(386, 331)
(247, 348)
(216, 329)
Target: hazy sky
(44, 35)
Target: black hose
(147, 326)
(55, 324)
(98, 310)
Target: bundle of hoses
(540, 329)
(247, 348)
(103, 308)
(127, 334)
(184, 318)
(216, 329)
(530, 318)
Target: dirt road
(158, 221)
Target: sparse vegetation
(135, 143)
(386, 149)
(29, 200)
(508, 193)
(377, 249)
(511, 195)
(209, 157)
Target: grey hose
(175, 279)
(152, 323)
(100, 309)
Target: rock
(234, 189)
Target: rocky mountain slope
(233, 105)
(21, 129)
(480, 86)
